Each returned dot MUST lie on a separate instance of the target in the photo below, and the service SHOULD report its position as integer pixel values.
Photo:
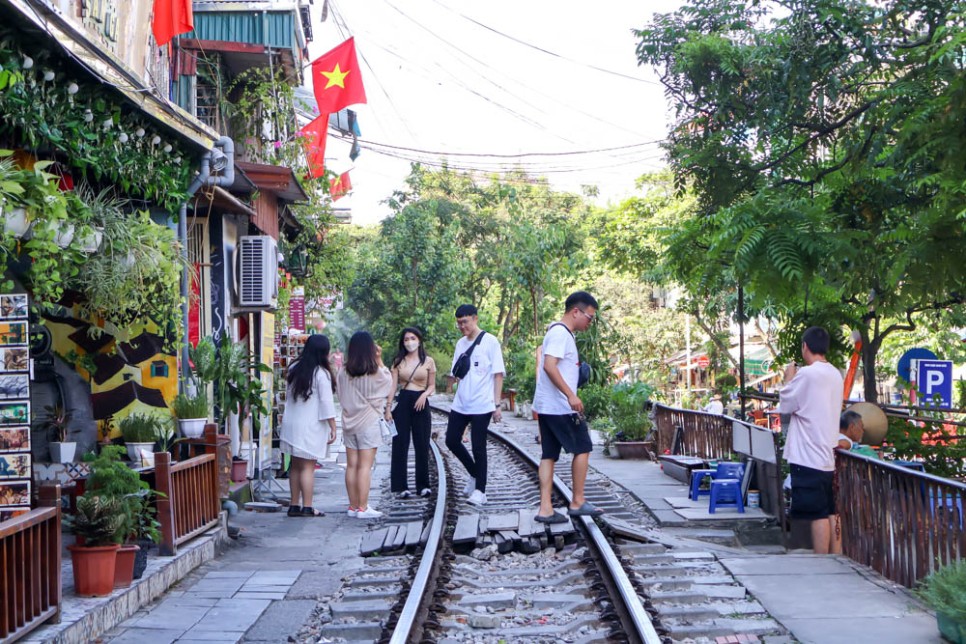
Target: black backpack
(462, 365)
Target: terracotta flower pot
(93, 569)
(124, 567)
(239, 471)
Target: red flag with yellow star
(314, 135)
(336, 79)
(340, 186)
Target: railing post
(49, 497)
(162, 473)
(211, 447)
(220, 446)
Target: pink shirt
(814, 400)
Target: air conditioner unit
(257, 272)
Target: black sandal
(295, 510)
(309, 511)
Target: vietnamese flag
(336, 79)
(340, 186)
(314, 134)
(171, 18)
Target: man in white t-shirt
(813, 399)
(477, 399)
(560, 412)
(715, 406)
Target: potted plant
(192, 414)
(111, 478)
(98, 521)
(945, 592)
(631, 422)
(140, 433)
(12, 211)
(144, 528)
(56, 423)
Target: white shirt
(814, 400)
(714, 407)
(547, 399)
(474, 395)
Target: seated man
(851, 429)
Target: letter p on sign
(934, 378)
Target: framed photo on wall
(14, 386)
(14, 438)
(17, 413)
(14, 359)
(14, 493)
(13, 333)
(13, 306)
(15, 466)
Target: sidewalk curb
(84, 619)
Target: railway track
(441, 570)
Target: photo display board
(16, 467)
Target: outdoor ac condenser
(257, 272)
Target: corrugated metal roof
(272, 28)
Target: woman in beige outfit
(363, 386)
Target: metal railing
(188, 503)
(30, 567)
(902, 523)
(702, 435)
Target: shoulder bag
(462, 365)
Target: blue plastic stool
(726, 492)
(696, 477)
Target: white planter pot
(134, 450)
(64, 236)
(15, 222)
(89, 239)
(192, 427)
(63, 452)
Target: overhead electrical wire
(546, 51)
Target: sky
(470, 81)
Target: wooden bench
(511, 395)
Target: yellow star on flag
(336, 77)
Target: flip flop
(556, 517)
(588, 509)
(309, 511)
(295, 510)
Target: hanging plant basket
(15, 222)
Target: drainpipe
(222, 157)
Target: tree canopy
(823, 142)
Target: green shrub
(185, 406)
(631, 421)
(597, 401)
(945, 591)
(141, 428)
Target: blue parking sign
(935, 378)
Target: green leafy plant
(99, 519)
(141, 428)
(631, 421)
(144, 524)
(235, 374)
(111, 478)
(57, 422)
(945, 591)
(185, 406)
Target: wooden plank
(466, 528)
(503, 545)
(508, 521)
(413, 531)
(562, 528)
(399, 541)
(526, 525)
(372, 541)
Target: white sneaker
(425, 492)
(477, 498)
(469, 487)
(368, 513)
(352, 512)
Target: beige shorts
(364, 438)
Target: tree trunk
(869, 351)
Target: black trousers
(415, 425)
(476, 464)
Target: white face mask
(412, 345)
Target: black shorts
(813, 496)
(567, 431)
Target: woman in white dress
(308, 424)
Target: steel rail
(629, 602)
(418, 598)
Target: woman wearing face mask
(415, 372)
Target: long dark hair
(401, 353)
(301, 374)
(361, 359)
